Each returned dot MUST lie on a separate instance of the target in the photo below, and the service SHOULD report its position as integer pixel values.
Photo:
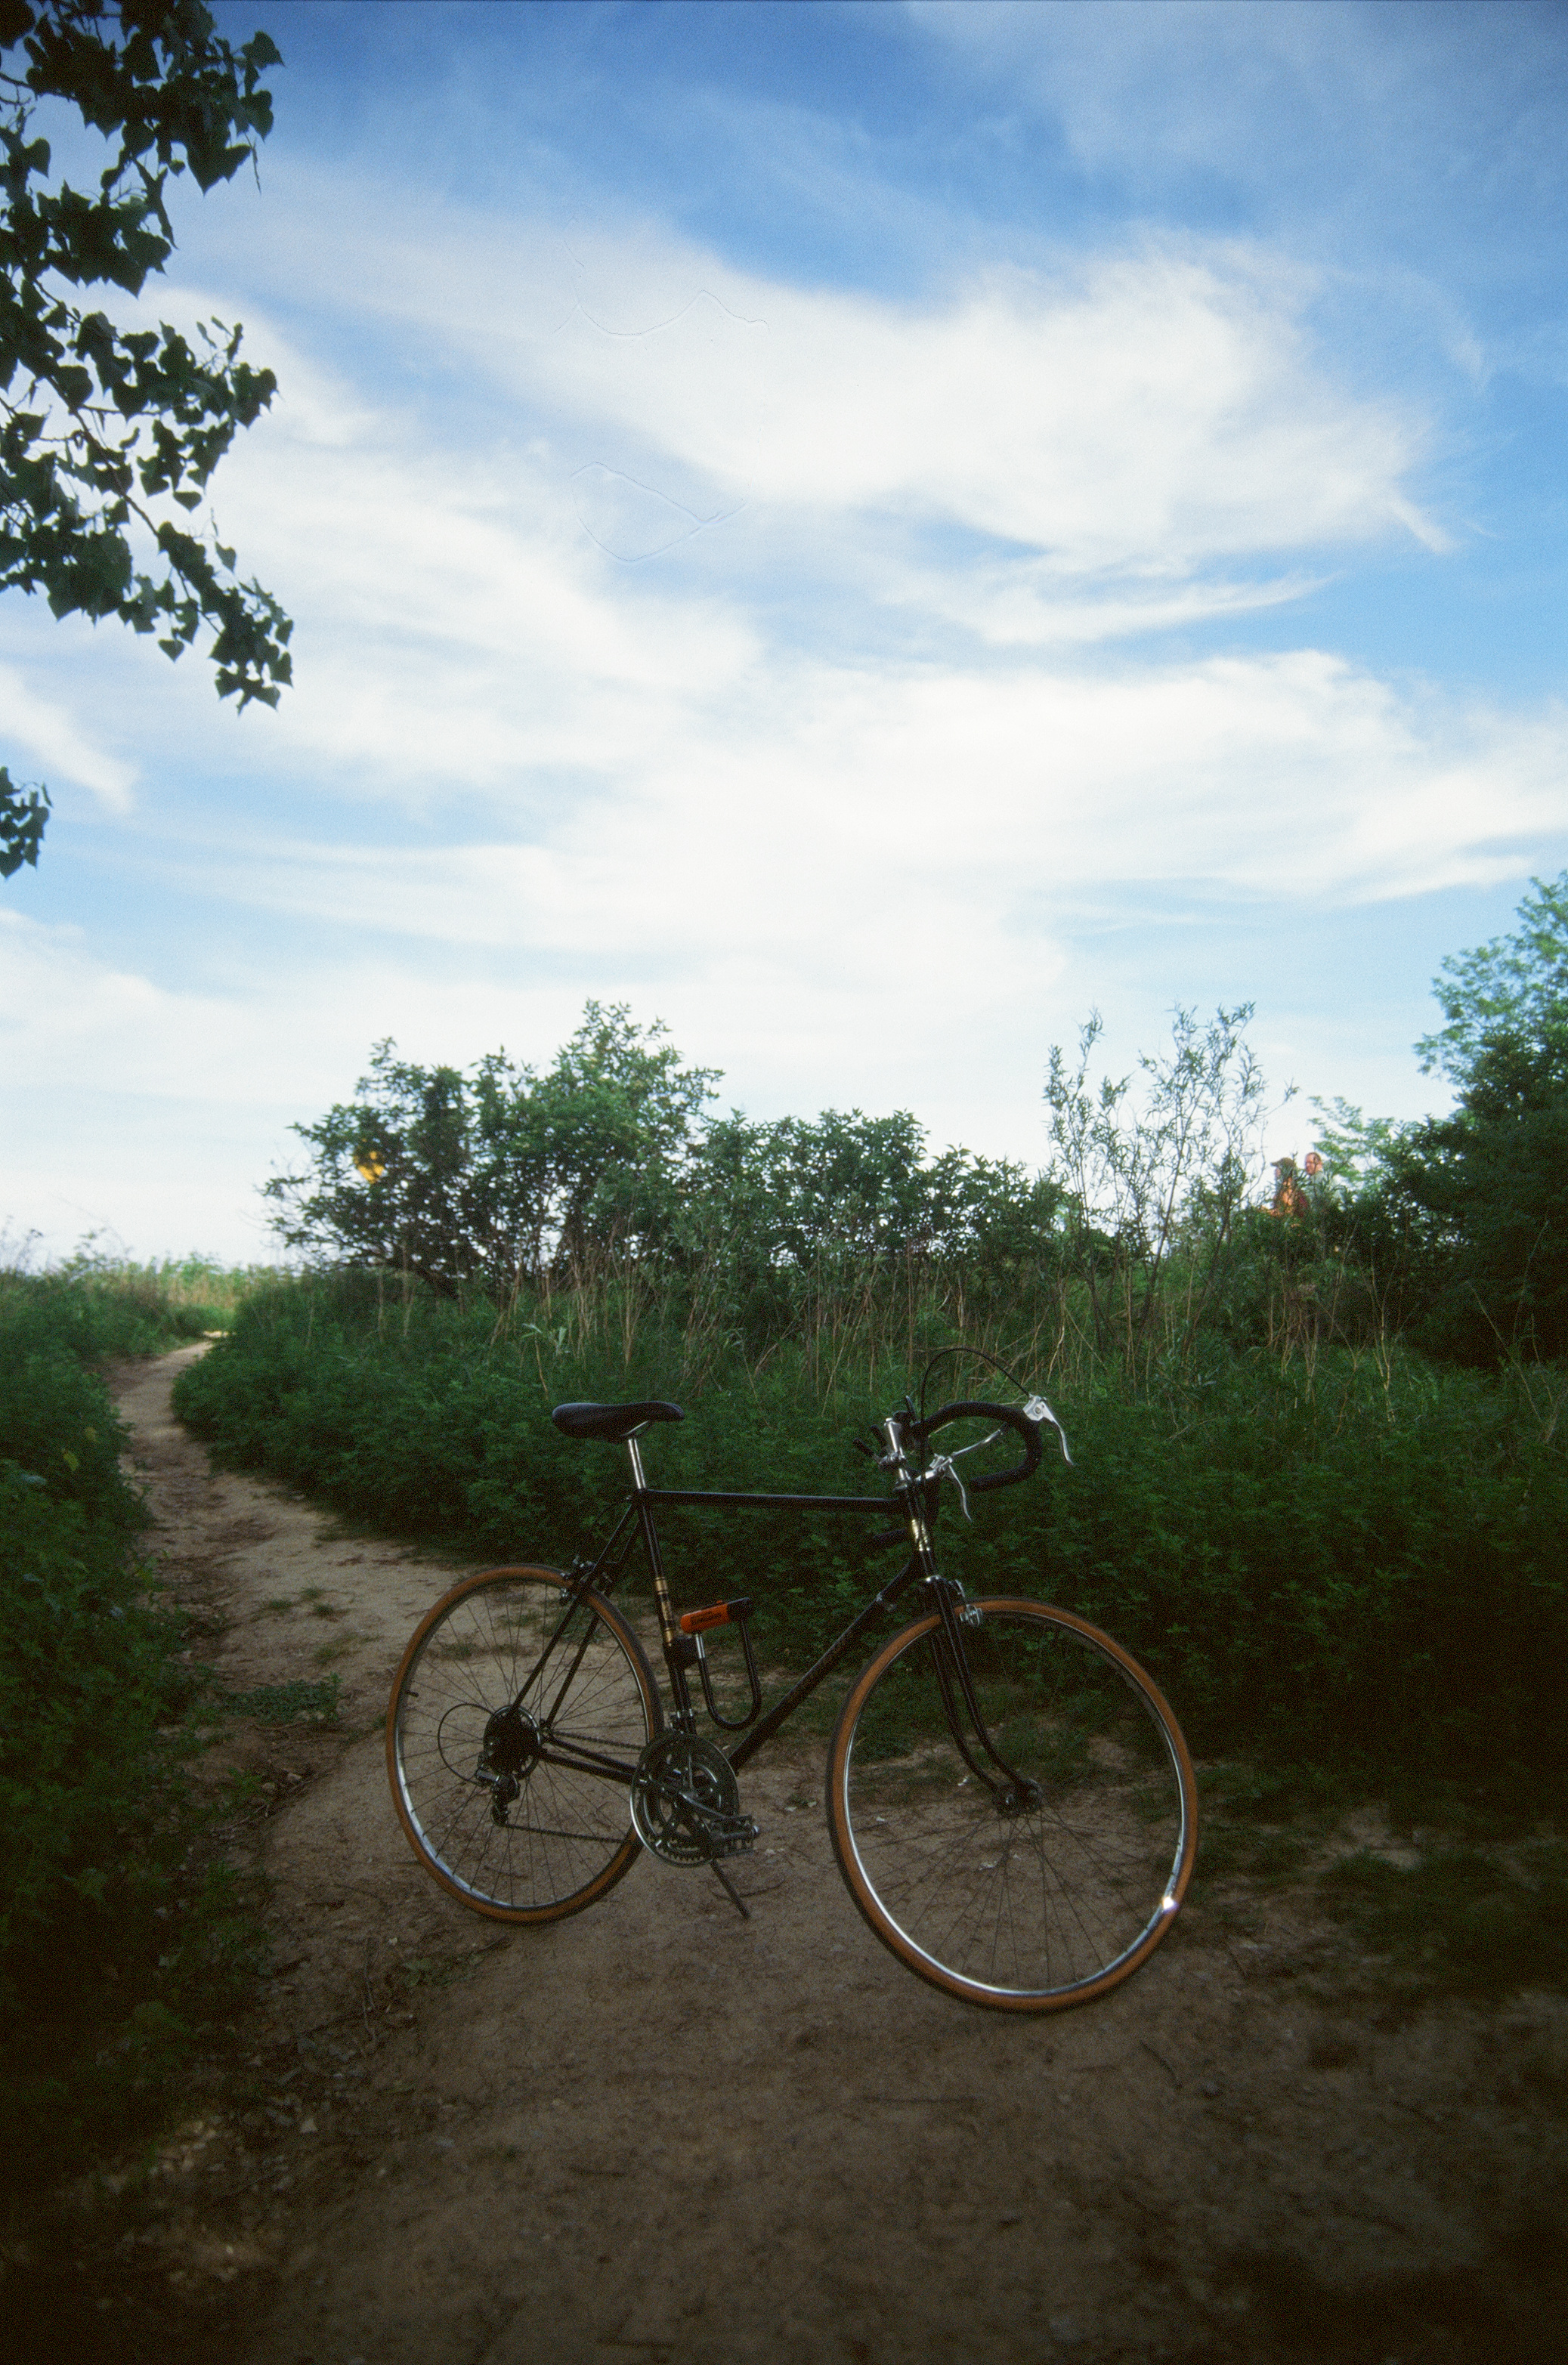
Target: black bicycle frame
(911, 1502)
(644, 1496)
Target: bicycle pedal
(739, 1839)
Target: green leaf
(23, 814)
(123, 423)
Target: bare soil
(656, 2131)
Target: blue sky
(864, 532)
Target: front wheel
(1033, 1873)
(516, 1722)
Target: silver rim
(1058, 1899)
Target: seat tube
(655, 1558)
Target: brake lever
(1038, 1410)
(942, 1467)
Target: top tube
(881, 1504)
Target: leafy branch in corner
(109, 436)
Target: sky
(865, 533)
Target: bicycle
(1011, 1802)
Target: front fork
(1013, 1792)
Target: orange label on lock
(697, 1621)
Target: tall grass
(1317, 1546)
(102, 1308)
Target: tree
(851, 1188)
(602, 1141)
(1482, 1194)
(607, 1165)
(1143, 1177)
(1506, 1003)
(109, 437)
(502, 1175)
(22, 813)
(784, 1220)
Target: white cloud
(1023, 604)
(1157, 410)
(856, 889)
(750, 652)
(469, 626)
(1192, 80)
(455, 627)
(1158, 404)
(851, 820)
(64, 1010)
(647, 763)
(58, 744)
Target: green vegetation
(605, 1172)
(295, 1703)
(1324, 1509)
(1463, 1921)
(1326, 1523)
(1345, 1552)
(109, 438)
(1331, 1546)
(1465, 1217)
(97, 1307)
(121, 1937)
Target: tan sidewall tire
(625, 1857)
(888, 1931)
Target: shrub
(1354, 1556)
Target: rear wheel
(515, 1726)
(1024, 1894)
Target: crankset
(685, 1801)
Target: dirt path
(658, 2133)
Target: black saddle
(613, 1423)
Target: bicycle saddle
(613, 1423)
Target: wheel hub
(508, 1754)
(511, 1747)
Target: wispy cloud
(1158, 406)
(1144, 444)
(60, 743)
(874, 813)
(667, 756)
(1419, 148)
(1155, 409)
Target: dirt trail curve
(656, 2131)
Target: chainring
(685, 1801)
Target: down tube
(878, 1606)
